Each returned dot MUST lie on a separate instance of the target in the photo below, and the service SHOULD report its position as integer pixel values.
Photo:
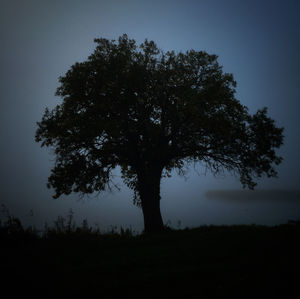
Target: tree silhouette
(149, 112)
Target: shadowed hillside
(205, 262)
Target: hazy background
(257, 41)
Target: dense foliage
(149, 112)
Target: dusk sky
(258, 41)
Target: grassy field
(205, 262)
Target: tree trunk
(149, 191)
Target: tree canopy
(149, 112)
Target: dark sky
(257, 41)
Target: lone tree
(149, 112)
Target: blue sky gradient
(257, 41)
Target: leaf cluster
(149, 111)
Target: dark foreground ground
(206, 262)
